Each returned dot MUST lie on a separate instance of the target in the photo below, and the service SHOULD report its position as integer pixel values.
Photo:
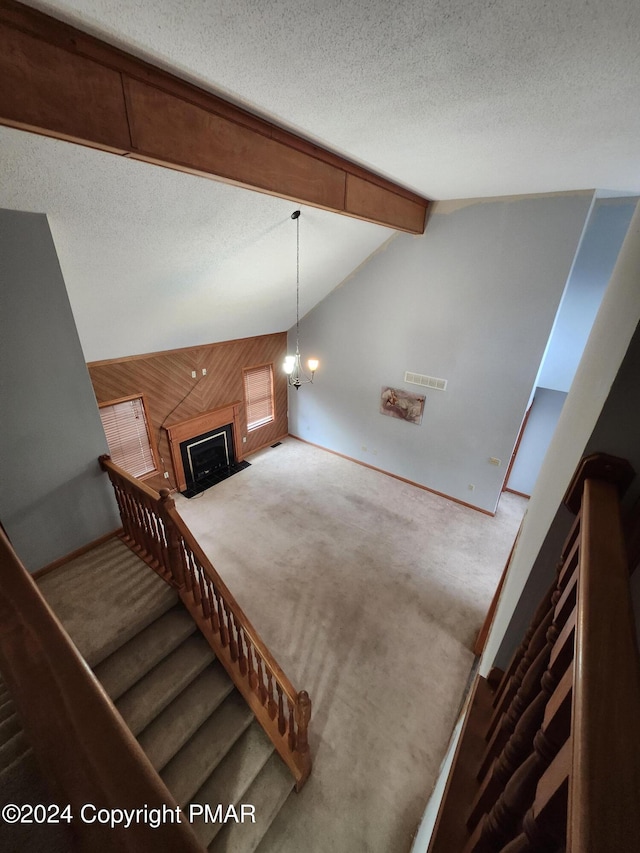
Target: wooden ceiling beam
(58, 81)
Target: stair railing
(154, 529)
(86, 752)
(550, 760)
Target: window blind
(258, 392)
(125, 425)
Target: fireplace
(203, 455)
(206, 449)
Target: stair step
(13, 749)
(9, 727)
(145, 700)
(231, 778)
(171, 729)
(188, 770)
(23, 782)
(105, 597)
(267, 794)
(9, 772)
(7, 708)
(138, 656)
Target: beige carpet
(369, 592)
(99, 616)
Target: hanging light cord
(296, 215)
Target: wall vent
(426, 381)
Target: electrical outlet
(166, 475)
(244, 439)
(193, 374)
(204, 371)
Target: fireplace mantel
(197, 425)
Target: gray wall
(53, 498)
(472, 301)
(608, 225)
(543, 419)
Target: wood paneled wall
(172, 395)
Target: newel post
(303, 715)
(174, 545)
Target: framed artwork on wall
(403, 405)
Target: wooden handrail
(257, 641)
(154, 529)
(605, 773)
(86, 751)
(551, 759)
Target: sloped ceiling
(451, 98)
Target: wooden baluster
(282, 720)
(242, 659)
(213, 616)
(163, 542)
(196, 590)
(272, 708)
(262, 690)
(502, 823)
(544, 827)
(142, 527)
(537, 642)
(224, 631)
(144, 518)
(122, 509)
(520, 744)
(303, 715)
(204, 600)
(188, 578)
(153, 532)
(132, 516)
(253, 678)
(195, 582)
(516, 750)
(292, 730)
(162, 523)
(525, 653)
(525, 694)
(515, 664)
(530, 684)
(233, 645)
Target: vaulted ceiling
(449, 98)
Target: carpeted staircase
(176, 698)
(21, 782)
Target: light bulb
(313, 364)
(288, 364)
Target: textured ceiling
(451, 98)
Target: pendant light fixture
(293, 363)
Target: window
(125, 425)
(258, 395)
